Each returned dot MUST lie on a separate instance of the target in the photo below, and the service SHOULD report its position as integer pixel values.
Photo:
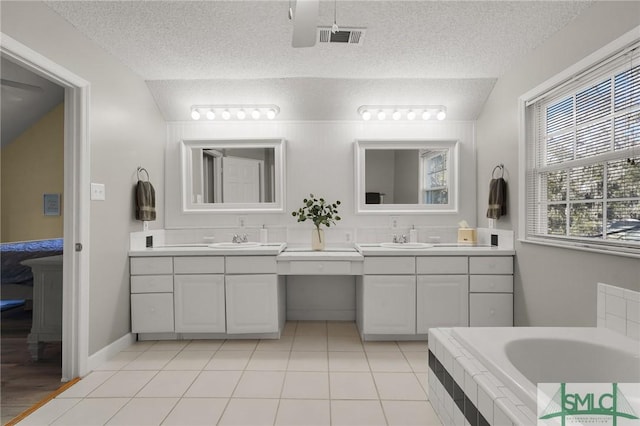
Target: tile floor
(318, 373)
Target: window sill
(593, 248)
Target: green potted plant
(320, 213)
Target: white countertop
(436, 250)
(270, 249)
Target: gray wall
(553, 286)
(126, 131)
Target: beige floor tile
(189, 360)
(345, 343)
(196, 412)
(308, 361)
(388, 361)
(424, 382)
(239, 345)
(170, 345)
(267, 360)
(413, 346)
(87, 385)
(357, 413)
(284, 343)
(123, 384)
(399, 386)
(342, 328)
(306, 385)
(168, 384)
(410, 413)
(311, 328)
(348, 361)
(290, 328)
(91, 411)
(143, 412)
(419, 361)
(118, 361)
(49, 412)
(260, 384)
(151, 360)
(352, 386)
(309, 343)
(204, 345)
(390, 346)
(139, 346)
(303, 412)
(214, 384)
(229, 360)
(245, 412)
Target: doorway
(75, 203)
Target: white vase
(317, 239)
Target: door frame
(75, 273)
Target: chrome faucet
(399, 239)
(240, 238)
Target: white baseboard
(108, 351)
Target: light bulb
(195, 114)
(382, 115)
(211, 115)
(255, 114)
(426, 115)
(226, 114)
(441, 115)
(271, 114)
(396, 115)
(241, 114)
(366, 115)
(411, 115)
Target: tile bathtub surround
(619, 310)
(462, 391)
(290, 381)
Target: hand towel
(497, 198)
(145, 201)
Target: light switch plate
(98, 192)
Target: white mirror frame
(362, 145)
(188, 206)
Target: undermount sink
(406, 245)
(248, 244)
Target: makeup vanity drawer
(250, 265)
(151, 283)
(491, 265)
(151, 265)
(319, 267)
(491, 283)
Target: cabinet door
(199, 303)
(389, 304)
(491, 310)
(442, 301)
(252, 303)
(152, 313)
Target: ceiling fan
(304, 23)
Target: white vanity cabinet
(491, 291)
(151, 295)
(442, 292)
(199, 294)
(386, 296)
(254, 295)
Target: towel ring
(142, 169)
(499, 166)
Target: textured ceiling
(433, 43)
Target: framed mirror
(395, 176)
(233, 175)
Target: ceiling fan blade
(18, 85)
(305, 23)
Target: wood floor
(24, 381)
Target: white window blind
(583, 159)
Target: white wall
(553, 286)
(319, 160)
(126, 131)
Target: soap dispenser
(413, 234)
(264, 235)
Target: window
(583, 159)
(436, 177)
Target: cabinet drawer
(152, 313)
(389, 265)
(199, 265)
(491, 265)
(318, 267)
(490, 310)
(151, 265)
(250, 265)
(152, 284)
(441, 265)
(491, 283)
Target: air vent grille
(350, 36)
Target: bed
(17, 279)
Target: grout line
(42, 402)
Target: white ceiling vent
(351, 36)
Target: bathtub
(522, 357)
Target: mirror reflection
(406, 176)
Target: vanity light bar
(402, 112)
(234, 112)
